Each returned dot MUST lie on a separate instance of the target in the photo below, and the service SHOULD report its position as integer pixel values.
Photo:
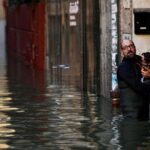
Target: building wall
(125, 19)
(141, 41)
(25, 33)
(2, 32)
(91, 54)
(105, 47)
(25, 50)
(2, 12)
(126, 23)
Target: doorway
(72, 44)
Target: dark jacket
(132, 99)
(146, 84)
(146, 87)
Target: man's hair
(146, 57)
(122, 41)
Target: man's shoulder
(123, 63)
(123, 66)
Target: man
(145, 70)
(129, 75)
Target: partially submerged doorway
(73, 51)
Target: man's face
(128, 49)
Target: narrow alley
(52, 94)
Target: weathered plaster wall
(105, 47)
(142, 42)
(126, 23)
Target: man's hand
(145, 72)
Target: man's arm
(126, 74)
(145, 73)
(135, 83)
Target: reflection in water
(129, 134)
(115, 129)
(60, 117)
(36, 116)
(133, 134)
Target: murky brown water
(35, 115)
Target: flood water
(35, 115)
